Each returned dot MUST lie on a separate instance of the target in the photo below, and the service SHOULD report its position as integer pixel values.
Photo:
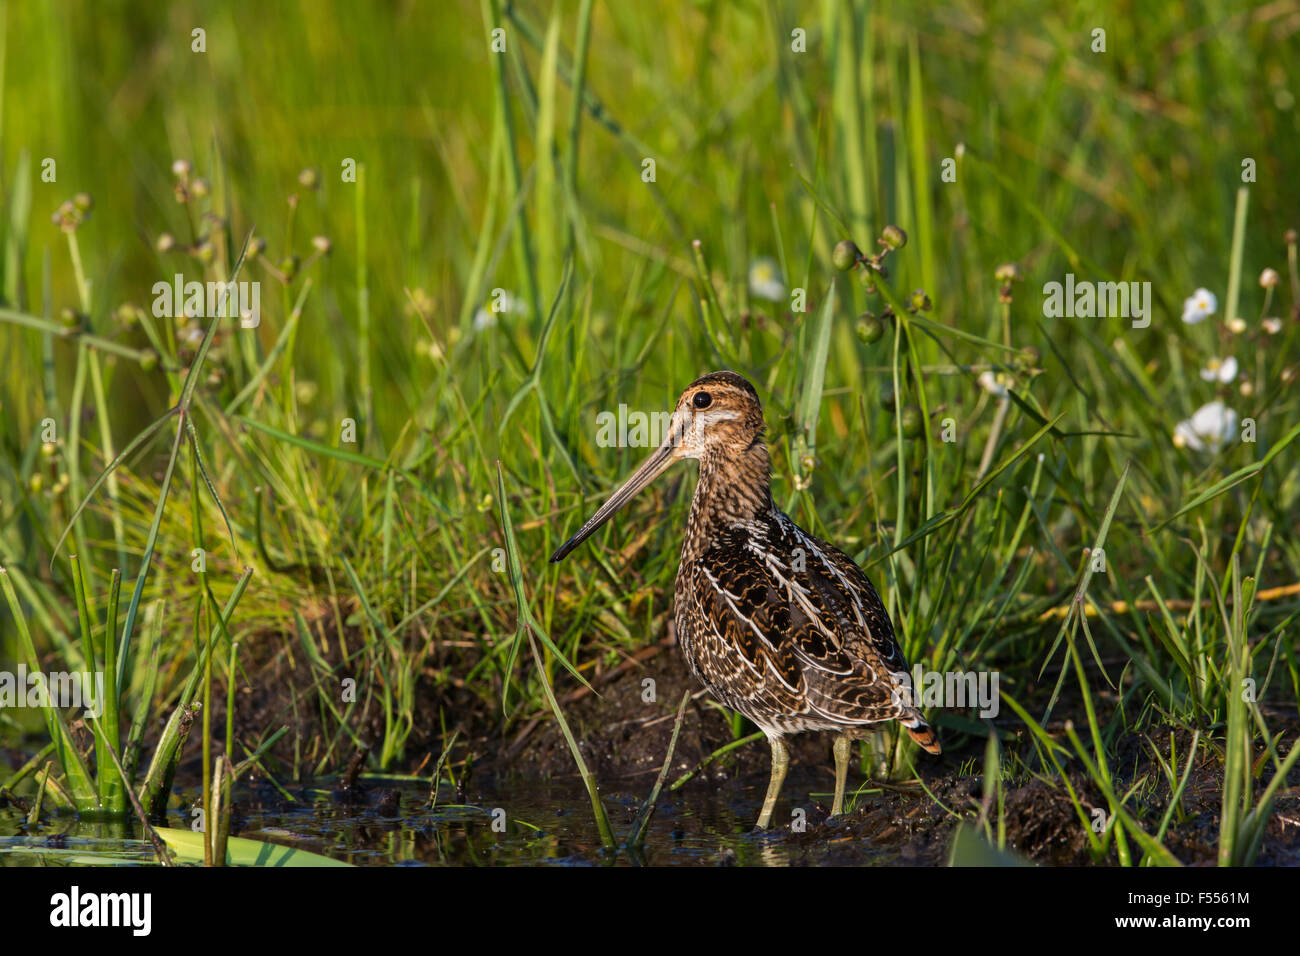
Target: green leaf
(188, 847)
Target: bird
(776, 624)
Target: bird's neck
(735, 487)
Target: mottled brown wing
(792, 623)
(873, 642)
(740, 650)
(879, 687)
(870, 622)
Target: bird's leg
(842, 747)
(780, 763)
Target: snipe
(777, 624)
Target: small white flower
(765, 280)
(1236, 325)
(428, 348)
(1208, 430)
(501, 302)
(1220, 370)
(1272, 326)
(1200, 306)
(989, 382)
(513, 304)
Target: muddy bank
(624, 738)
(624, 727)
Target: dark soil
(623, 737)
(624, 731)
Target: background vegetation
(525, 172)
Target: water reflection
(502, 823)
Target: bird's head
(718, 415)
(717, 418)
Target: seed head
(68, 216)
(893, 238)
(1007, 272)
(869, 328)
(911, 421)
(846, 255)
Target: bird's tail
(925, 737)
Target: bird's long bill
(650, 469)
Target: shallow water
(515, 822)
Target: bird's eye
(703, 399)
